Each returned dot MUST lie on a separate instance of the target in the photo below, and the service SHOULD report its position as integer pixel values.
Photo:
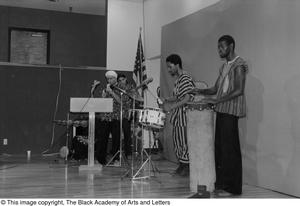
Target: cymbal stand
(120, 152)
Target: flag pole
(140, 57)
(142, 64)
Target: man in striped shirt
(175, 104)
(230, 105)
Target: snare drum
(135, 115)
(153, 118)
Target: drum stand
(120, 152)
(144, 163)
(157, 145)
(148, 161)
(136, 174)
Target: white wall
(125, 17)
(158, 13)
(270, 135)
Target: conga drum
(200, 136)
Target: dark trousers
(228, 157)
(104, 128)
(127, 136)
(102, 135)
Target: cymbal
(135, 95)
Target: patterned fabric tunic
(115, 115)
(127, 101)
(236, 106)
(183, 85)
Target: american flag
(139, 72)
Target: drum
(200, 135)
(136, 115)
(153, 118)
(198, 106)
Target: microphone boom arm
(119, 89)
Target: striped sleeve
(186, 84)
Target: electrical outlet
(4, 141)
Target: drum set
(150, 120)
(147, 119)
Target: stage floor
(52, 177)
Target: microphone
(117, 88)
(95, 84)
(145, 83)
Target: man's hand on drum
(195, 90)
(209, 100)
(162, 102)
(167, 107)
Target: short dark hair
(121, 75)
(228, 39)
(174, 59)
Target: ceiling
(95, 7)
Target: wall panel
(75, 39)
(267, 36)
(28, 100)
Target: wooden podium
(91, 105)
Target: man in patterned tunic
(175, 105)
(127, 105)
(230, 105)
(110, 122)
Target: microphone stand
(122, 91)
(120, 151)
(134, 142)
(92, 92)
(138, 171)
